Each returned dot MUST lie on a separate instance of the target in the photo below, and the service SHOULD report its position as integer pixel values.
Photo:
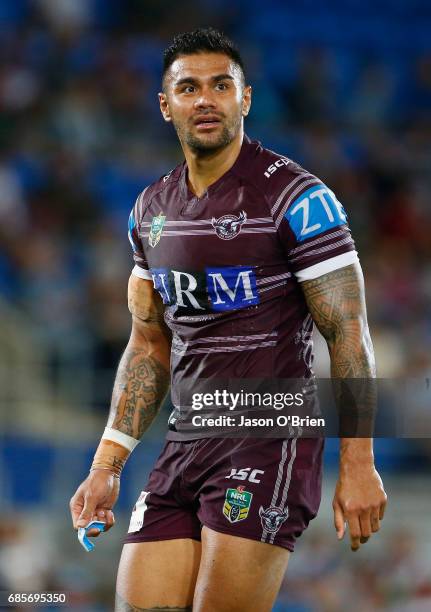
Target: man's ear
(164, 107)
(246, 100)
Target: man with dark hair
(237, 251)
(202, 40)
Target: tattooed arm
(142, 379)
(337, 304)
(140, 386)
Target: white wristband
(120, 438)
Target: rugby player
(237, 252)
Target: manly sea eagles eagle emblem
(272, 518)
(229, 226)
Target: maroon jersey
(229, 266)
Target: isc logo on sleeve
(215, 289)
(279, 163)
(315, 211)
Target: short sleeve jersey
(229, 266)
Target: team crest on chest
(237, 504)
(229, 226)
(157, 224)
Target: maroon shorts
(262, 489)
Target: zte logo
(316, 210)
(245, 474)
(216, 289)
(283, 161)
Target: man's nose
(205, 99)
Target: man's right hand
(94, 500)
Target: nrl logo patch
(272, 518)
(157, 224)
(228, 226)
(237, 504)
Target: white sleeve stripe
(329, 265)
(141, 273)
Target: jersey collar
(190, 199)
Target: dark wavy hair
(201, 40)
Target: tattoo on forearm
(140, 387)
(337, 304)
(102, 461)
(123, 606)
(118, 463)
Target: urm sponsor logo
(216, 289)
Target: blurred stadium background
(343, 87)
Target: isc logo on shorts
(245, 474)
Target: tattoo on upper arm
(145, 303)
(122, 605)
(337, 304)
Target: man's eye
(188, 89)
(221, 86)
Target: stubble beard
(203, 146)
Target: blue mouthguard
(82, 534)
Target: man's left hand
(360, 501)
